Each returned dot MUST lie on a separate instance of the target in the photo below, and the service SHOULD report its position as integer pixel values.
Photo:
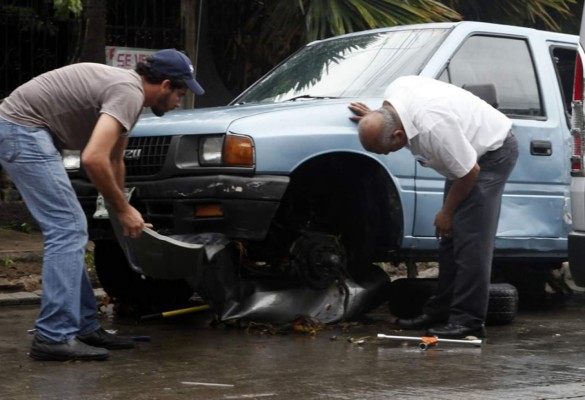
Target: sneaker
(101, 338)
(73, 349)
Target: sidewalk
(18, 245)
(28, 247)
(22, 298)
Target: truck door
(534, 203)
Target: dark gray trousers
(465, 257)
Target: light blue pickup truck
(280, 169)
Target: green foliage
(64, 7)
(29, 19)
(19, 227)
(7, 261)
(266, 32)
(543, 14)
(326, 18)
(89, 259)
(263, 33)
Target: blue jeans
(68, 305)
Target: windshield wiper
(295, 98)
(308, 96)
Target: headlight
(210, 150)
(229, 150)
(71, 159)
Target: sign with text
(126, 57)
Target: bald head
(380, 132)
(370, 129)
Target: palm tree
(555, 15)
(266, 32)
(318, 19)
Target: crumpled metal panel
(167, 257)
(341, 301)
(207, 262)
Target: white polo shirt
(448, 128)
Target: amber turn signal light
(238, 151)
(208, 210)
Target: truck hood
(245, 119)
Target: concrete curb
(24, 298)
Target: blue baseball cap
(174, 64)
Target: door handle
(540, 148)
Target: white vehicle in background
(576, 242)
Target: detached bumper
(247, 204)
(576, 250)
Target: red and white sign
(126, 57)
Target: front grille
(146, 155)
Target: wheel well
(364, 191)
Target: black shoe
(101, 338)
(423, 321)
(71, 350)
(453, 331)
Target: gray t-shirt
(68, 101)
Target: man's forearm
(460, 190)
(119, 173)
(106, 181)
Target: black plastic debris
(210, 265)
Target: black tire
(503, 304)
(530, 279)
(408, 296)
(130, 289)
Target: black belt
(508, 137)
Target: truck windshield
(345, 67)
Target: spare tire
(408, 296)
(503, 304)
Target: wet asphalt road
(538, 356)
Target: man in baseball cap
(174, 64)
(88, 107)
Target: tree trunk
(92, 38)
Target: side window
(503, 63)
(564, 62)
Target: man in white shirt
(470, 143)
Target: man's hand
(443, 224)
(458, 192)
(359, 110)
(132, 222)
